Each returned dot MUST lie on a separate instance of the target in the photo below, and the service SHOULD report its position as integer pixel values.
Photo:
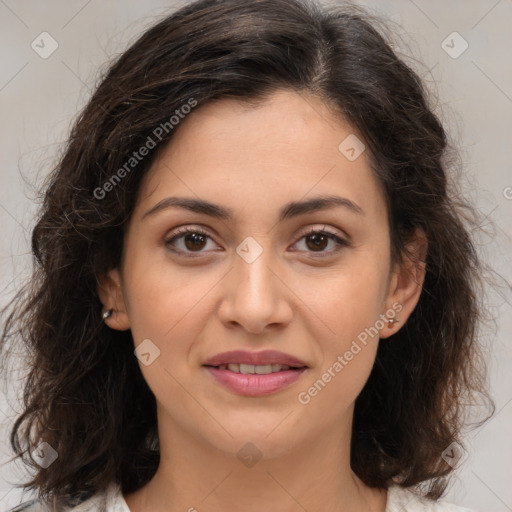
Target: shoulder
(34, 505)
(28, 506)
(405, 500)
(110, 500)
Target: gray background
(39, 98)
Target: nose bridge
(255, 297)
(252, 271)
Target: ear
(110, 291)
(406, 283)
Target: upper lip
(263, 357)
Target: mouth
(255, 374)
(252, 369)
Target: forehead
(283, 148)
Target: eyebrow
(288, 211)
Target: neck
(193, 475)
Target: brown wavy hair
(85, 394)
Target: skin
(254, 160)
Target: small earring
(107, 314)
(391, 321)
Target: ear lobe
(406, 283)
(110, 292)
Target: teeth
(250, 369)
(263, 369)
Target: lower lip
(255, 385)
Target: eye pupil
(198, 241)
(319, 240)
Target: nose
(255, 295)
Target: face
(313, 283)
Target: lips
(255, 374)
(262, 358)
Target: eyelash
(313, 231)
(332, 236)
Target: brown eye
(194, 241)
(188, 240)
(318, 241)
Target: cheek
(333, 390)
(346, 300)
(347, 338)
(161, 297)
(171, 314)
(347, 303)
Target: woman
(254, 285)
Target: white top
(399, 500)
